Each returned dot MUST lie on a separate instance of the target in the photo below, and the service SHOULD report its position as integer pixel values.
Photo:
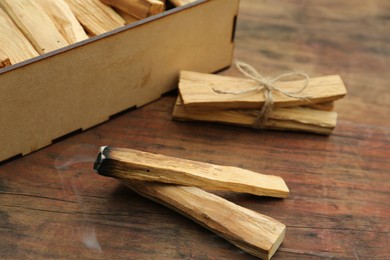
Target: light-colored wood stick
(96, 17)
(64, 19)
(142, 166)
(128, 17)
(13, 43)
(181, 2)
(196, 90)
(138, 8)
(252, 232)
(292, 119)
(35, 24)
(4, 60)
(327, 106)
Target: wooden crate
(82, 85)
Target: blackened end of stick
(102, 156)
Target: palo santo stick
(181, 2)
(196, 90)
(293, 118)
(12, 41)
(96, 17)
(327, 106)
(138, 8)
(142, 166)
(4, 60)
(35, 24)
(64, 19)
(252, 232)
(128, 17)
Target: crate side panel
(83, 86)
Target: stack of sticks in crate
(29, 28)
(298, 105)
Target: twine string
(266, 84)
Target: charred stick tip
(102, 155)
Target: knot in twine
(267, 84)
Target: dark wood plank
(53, 205)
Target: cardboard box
(82, 85)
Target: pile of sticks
(29, 28)
(179, 183)
(200, 99)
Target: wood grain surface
(52, 205)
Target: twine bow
(268, 86)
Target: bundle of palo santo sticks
(29, 28)
(179, 183)
(239, 101)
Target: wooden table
(52, 204)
